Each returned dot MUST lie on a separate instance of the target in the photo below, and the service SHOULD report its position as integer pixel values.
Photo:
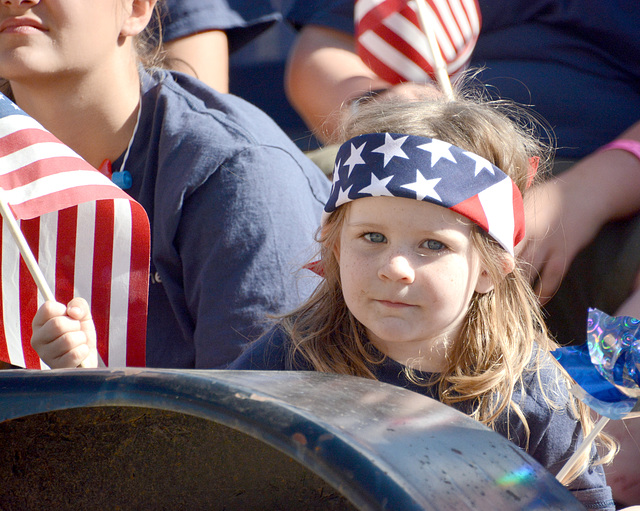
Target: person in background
(199, 35)
(324, 73)
(577, 65)
(233, 204)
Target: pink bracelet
(631, 146)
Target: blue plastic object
(123, 179)
(381, 447)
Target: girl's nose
(16, 3)
(397, 268)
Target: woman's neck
(94, 116)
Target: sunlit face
(40, 38)
(408, 271)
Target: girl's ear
(138, 18)
(485, 283)
(508, 264)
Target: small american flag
(390, 41)
(89, 237)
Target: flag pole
(586, 443)
(439, 65)
(25, 251)
(27, 255)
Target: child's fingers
(68, 350)
(78, 308)
(47, 311)
(53, 327)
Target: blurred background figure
(199, 35)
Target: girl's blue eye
(433, 245)
(375, 237)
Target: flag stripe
(102, 260)
(371, 12)
(47, 247)
(11, 297)
(66, 228)
(4, 347)
(446, 44)
(47, 250)
(138, 291)
(495, 201)
(54, 192)
(120, 287)
(407, 38)
(84, 250)
(455, 23)
(14, 157)
(392, 58)
(385, 72)
(28, 292)
(453, 26)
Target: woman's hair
(504, 329)
(147, 45)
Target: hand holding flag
(38, 277)
(64, 336)
(89, 238)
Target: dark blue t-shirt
(233, 206)
(242, 20)
(576, 62)
(554, 432)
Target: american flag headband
(427, 169)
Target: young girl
(233, 204)
(421, 288)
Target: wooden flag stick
(25, 251)
(439, 65)
(586, 444)
(27, 255)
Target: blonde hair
(504, 335)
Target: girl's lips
(395, 305)
(20, 25)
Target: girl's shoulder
(271, 352)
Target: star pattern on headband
(343, 196)
(481, 163)
(401, 165)
(355, 158)
(391, 148)
(415, 167)
(424, 187)
(378, 186)
(438, 150)
(336, 167)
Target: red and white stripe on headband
(426, 169)
(89, 237)
(390, 41)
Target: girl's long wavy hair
(147, 45)
(504, 335)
